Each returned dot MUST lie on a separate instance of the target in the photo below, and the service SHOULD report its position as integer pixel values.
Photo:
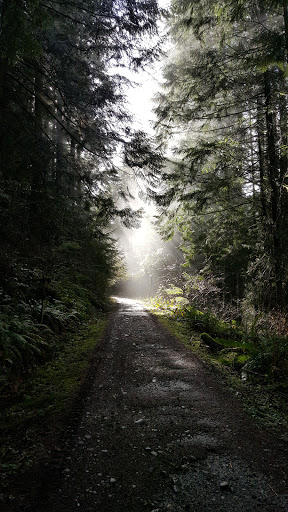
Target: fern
(58, 317)
(22, 343)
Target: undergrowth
(266, 351)
(31, 330)
(253, 360)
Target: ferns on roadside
(22, 343)
(25, 343)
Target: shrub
(22, 343)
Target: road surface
(157, 431)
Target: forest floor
(154, 429)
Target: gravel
(155, 430)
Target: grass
(45, 400)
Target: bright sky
(140, 100)
(141, 97)
(134, 242)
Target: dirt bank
(157, 431)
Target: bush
(211, 324)
(22, 343)
(270, 358)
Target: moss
(46, 398)
(242, 359)
(61, 376)
(178, 329)
(227, 359)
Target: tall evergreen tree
(224, 101)
(63, 119)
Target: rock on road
(158, 431)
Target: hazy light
(142, 248)
(150, 262)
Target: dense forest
(222, 123)
(222, 116)
(217, 168)
(63, 122)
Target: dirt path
(158, 432)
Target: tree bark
(3, 77)
(285, 16)
(260, 141)
(38, 165)
(275, 205)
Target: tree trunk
(3, 77)
(38, 164)
(285, 15)
(260, 141)
(275, 205)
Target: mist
(150, 262)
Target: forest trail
(159, 432)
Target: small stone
(154, 453)
(224, 486)
(112, 480)
(138, 422)
(176, 489)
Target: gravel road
(158, 431)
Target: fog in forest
(150, 263)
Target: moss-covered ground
(30, 416)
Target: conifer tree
(224, 101)
(63, 119)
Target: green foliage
(253, 349)
(211, 324)
(17, 43)
(169, 300)
(270, 359)
(264, 397)
(22, 344)
(222, 190)
(24, 341)
(174, 290)
(63, 119)
(58, 318)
